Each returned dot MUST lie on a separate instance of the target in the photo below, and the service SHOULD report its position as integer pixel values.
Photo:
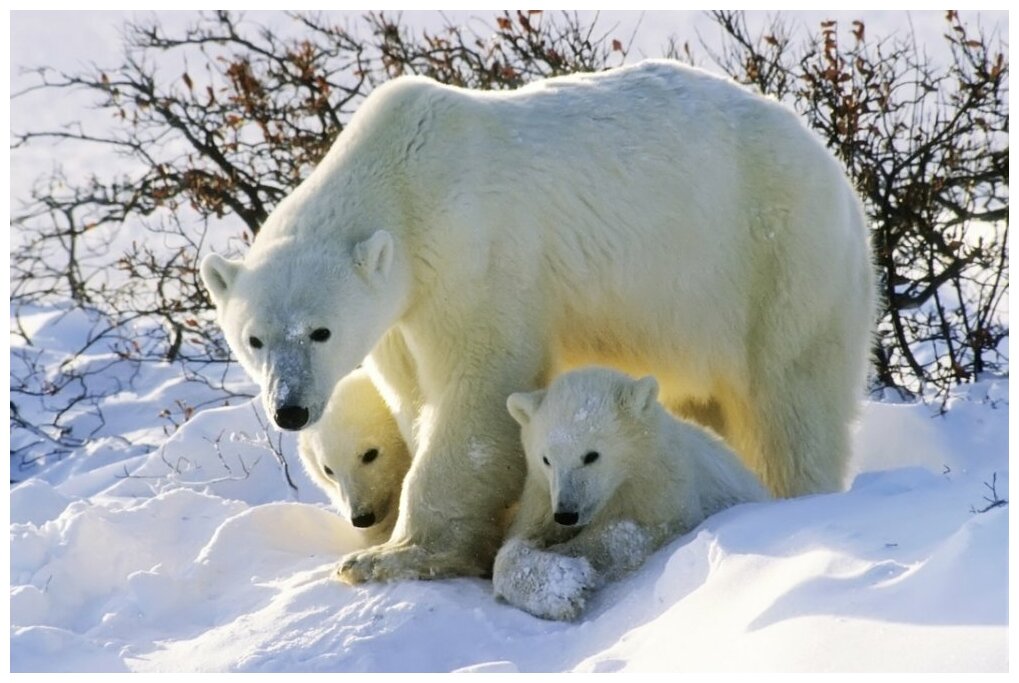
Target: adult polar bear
(654, 218)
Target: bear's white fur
(357, 455)
(611, 477)
(653, 218)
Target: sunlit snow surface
(234, 572)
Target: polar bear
(611, 477)
(356, 454)
(468, 245)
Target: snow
(158, 547)
(208, 561)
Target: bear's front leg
(467, 472)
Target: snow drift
(198, 556)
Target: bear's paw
(404, 560)
(545, 584)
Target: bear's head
(300, 314)
(581, 435)
(356, 454)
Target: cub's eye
(545, 460)
(320, 335)
(325, 468)
(255, 342)
(369, 456)
(590, 457)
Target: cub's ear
(218, 274)
(374, 256)
(523, 404)
(640, 396)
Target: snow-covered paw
(569, 581)
(545, 584)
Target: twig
(994, 501)
(277, 449)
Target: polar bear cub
(611, 477)
(356, 455)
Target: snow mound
(202, 558)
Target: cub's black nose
(291, 417)
(362, 521)
(566, 518)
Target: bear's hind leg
(793, 429)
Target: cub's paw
(542, 583)
(568, 581)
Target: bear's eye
(325, 468)
(255, 342)
(590, 457)
(545, 460)
(320, 335)
(370, 456)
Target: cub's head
(300, 315)
(356, 455)
(580, 436)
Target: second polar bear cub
(611, 477)
(356, 455)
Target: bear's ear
(374, 256)
(523, 404)
(640, 396)
(218, 274)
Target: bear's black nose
(566, 518)
(362, 521)
(291, 417)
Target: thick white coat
(602, 449)
(653, 218)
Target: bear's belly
(685, 370)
